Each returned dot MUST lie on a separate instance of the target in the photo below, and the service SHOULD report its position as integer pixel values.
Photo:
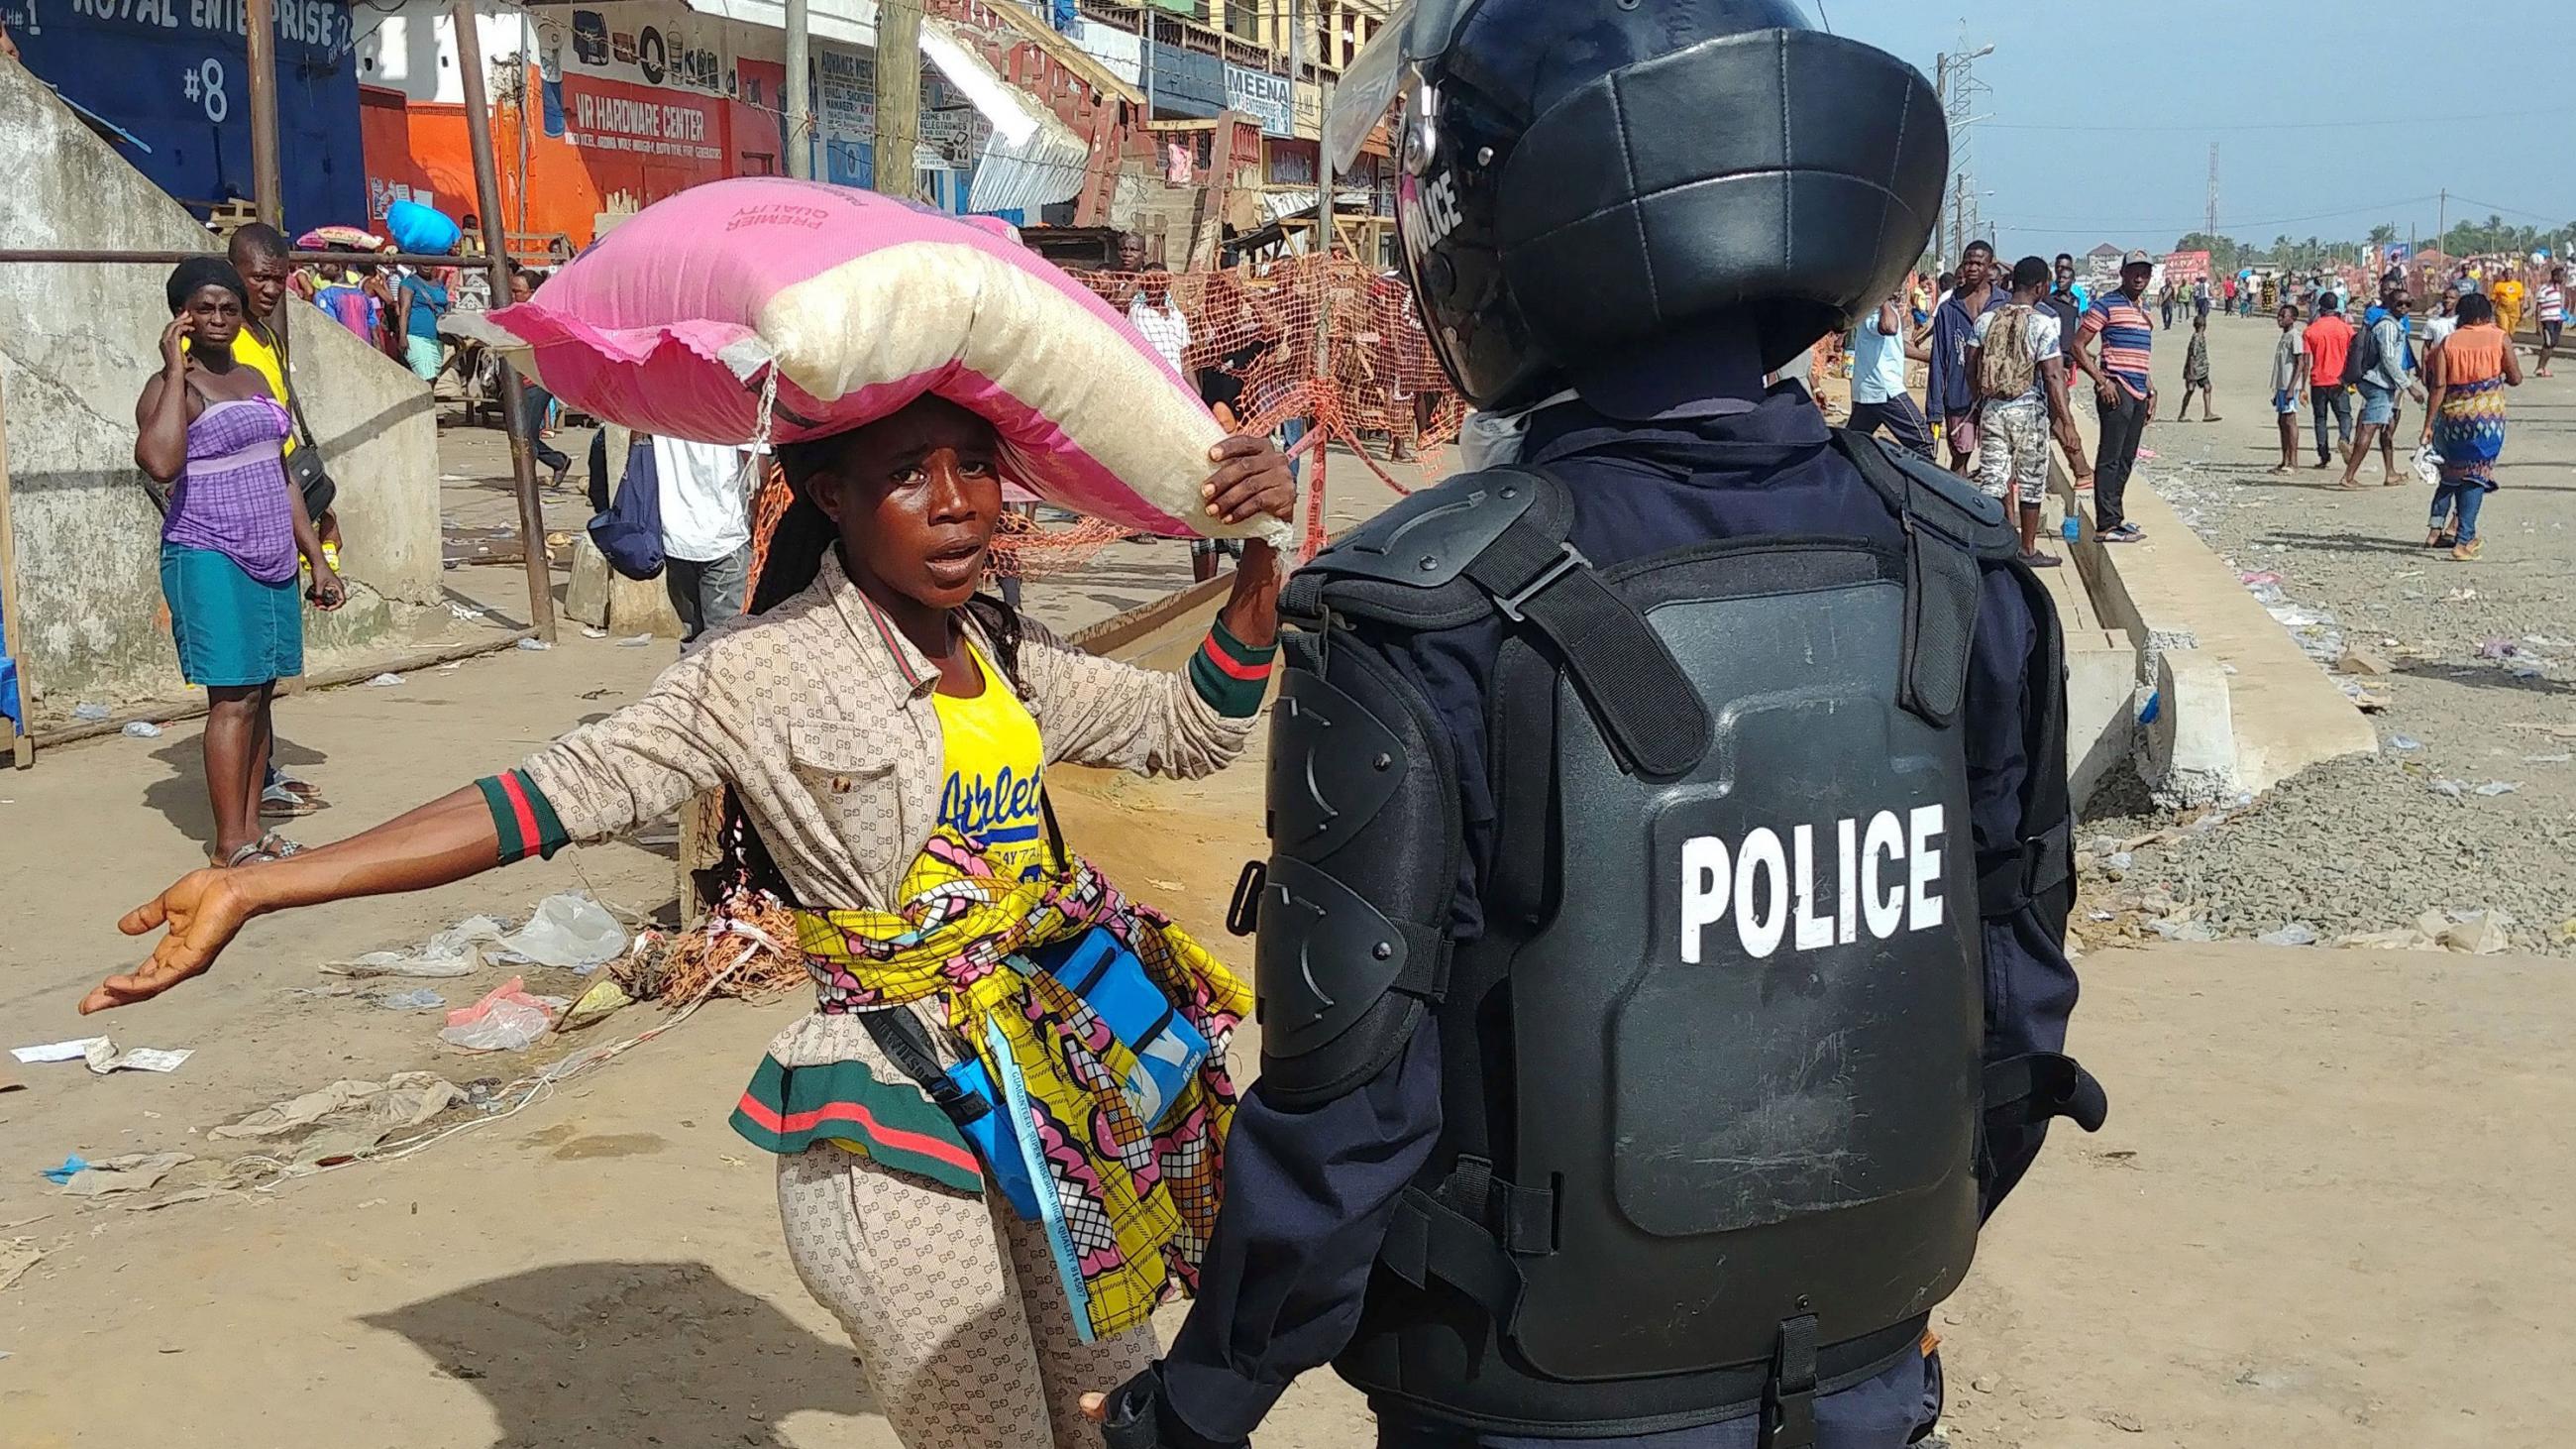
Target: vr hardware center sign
(605, 120)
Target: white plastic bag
(570, 931)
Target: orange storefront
(591, 145)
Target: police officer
(1659, 959)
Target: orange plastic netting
(1320, 342)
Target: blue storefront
(171, 75)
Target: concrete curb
(2102, 681)
(1112, 634)
(347, 674)
(2239, 707)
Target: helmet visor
(1368, 88)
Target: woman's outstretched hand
(203, 912)
(1251, 480)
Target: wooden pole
(800, 95)
(268, 185)
(487, 198)
(898, 94)
(22, 745)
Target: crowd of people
(2001, 348)
(1992, 398)
(401, 310)
(2454, 359)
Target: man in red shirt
(2329, 342)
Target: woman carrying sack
(885, 734)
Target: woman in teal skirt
(207, 424)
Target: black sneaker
(2040, 560)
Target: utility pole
(898, 94)
(487, 194)
(1296, 59)
(268, 186)
(2212, 232)
(1145, 44)
(800, 97)
(1941, 88)
(1955, 80)
(2442, 238)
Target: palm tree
(2382, 234)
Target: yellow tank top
(995, 765)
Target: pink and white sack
(764, 309)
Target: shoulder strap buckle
(1789, 1394)
(2032, 1088)
(1568, 559)
(2040, 864)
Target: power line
(2193, 222)
(2273, 125)
(2555, 222)
(2280, 125)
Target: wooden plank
(22, 746)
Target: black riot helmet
(1580, 178)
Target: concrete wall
(79, 343)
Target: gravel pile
(2349, 848)
(2471, 806)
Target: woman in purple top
(207, 424)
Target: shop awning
(851, 22)
(1033, 158)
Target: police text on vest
(1769, 884)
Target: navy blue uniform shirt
(1308, 1193)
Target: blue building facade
(172, 77)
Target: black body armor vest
(1712, 1076)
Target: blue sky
(2189, 72)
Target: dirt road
(2330, 1207)
(2471, 805)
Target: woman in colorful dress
(2464, 424)
(886, 734)
(207, 423)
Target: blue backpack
(629, 534)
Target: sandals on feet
(268, 848)
(279, 802)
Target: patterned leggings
(960, 1322)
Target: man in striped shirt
(2125, 387)
(2553, 315)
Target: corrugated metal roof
(1033, 158)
